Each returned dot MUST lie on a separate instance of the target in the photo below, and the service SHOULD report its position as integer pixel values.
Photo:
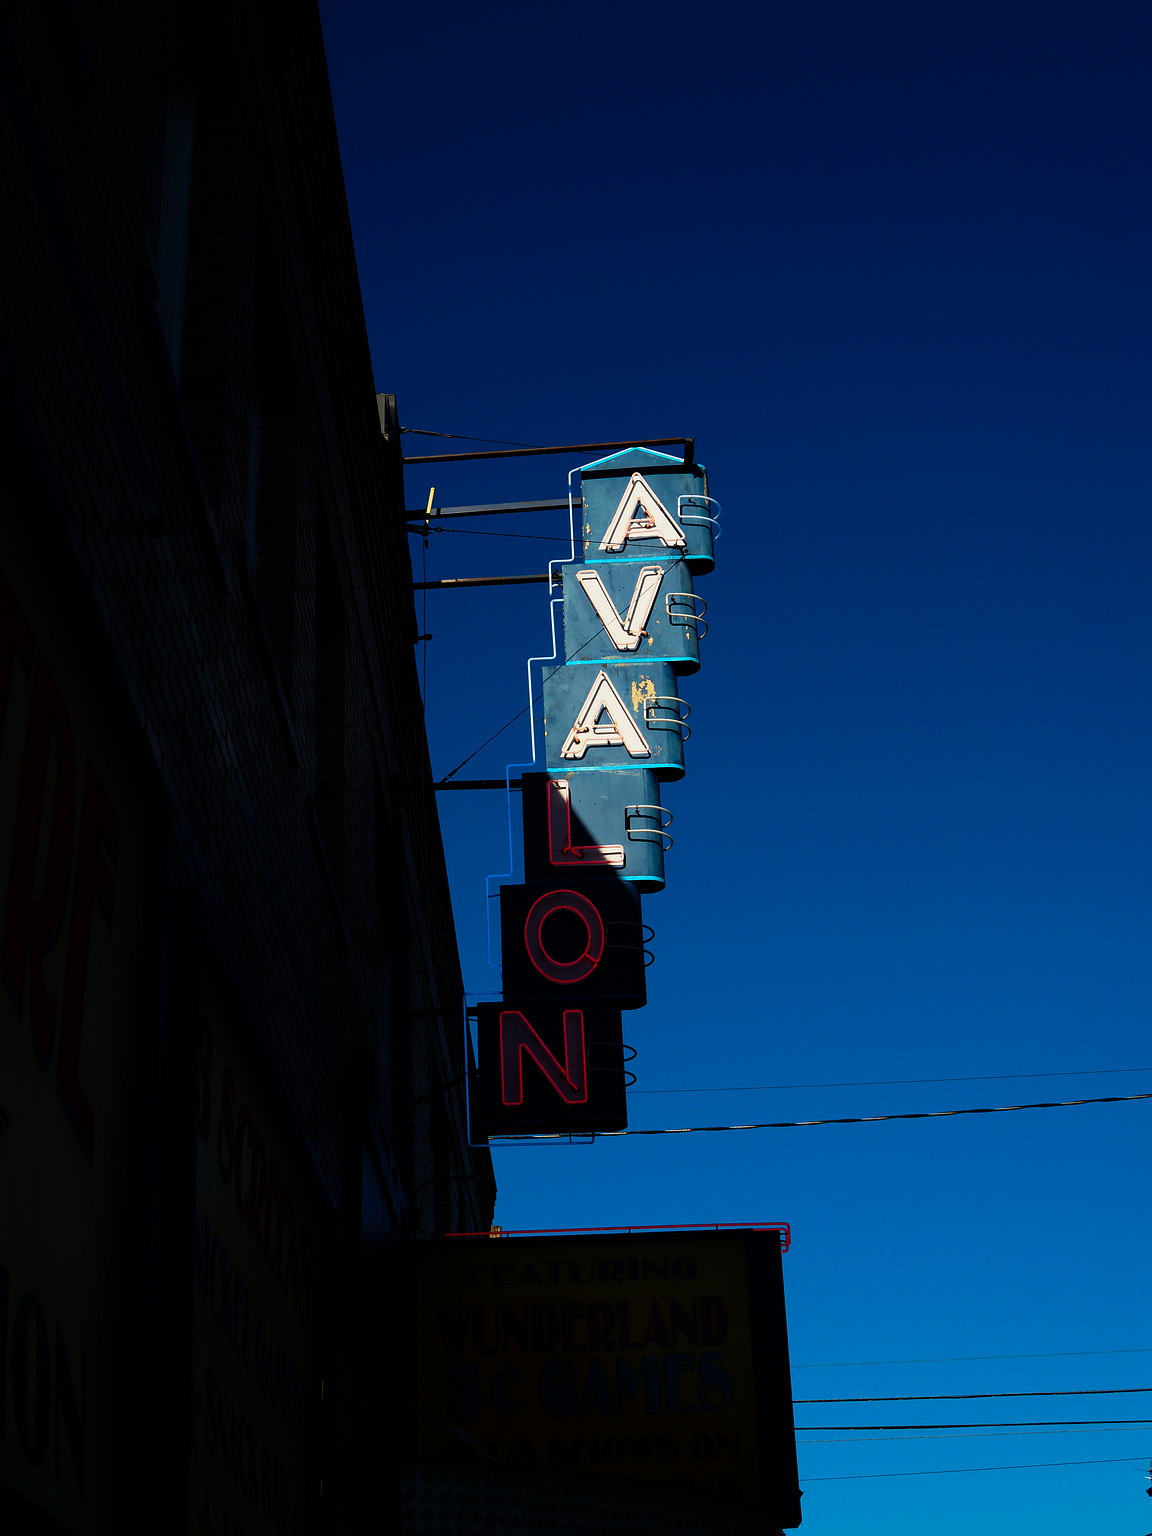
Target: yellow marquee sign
(655, 1359)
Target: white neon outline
(625, 635)
(591, 855)
(691, 521)
(585, 733)
(638, 489)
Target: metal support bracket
(689, 444)
(698, 519)
(489, 509)
(677, 721)
(690, 617)
(643, 834)
(487, 581)
(647, 935)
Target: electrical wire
(1060, 1354)
(491, 738)
(788, 1125)
(424, 629)
(813, 1429)
(596, 633)
(1020, 1466)
(957, 1397)
(465, 438)
(899, 1082)
(980, 1434)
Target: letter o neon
(565, 972)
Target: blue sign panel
(644, 611)
(614, 716)
(644, 505)
(608, 826)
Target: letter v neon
(625, 635)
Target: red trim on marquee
(783, 1227)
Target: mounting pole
(484, 581)
(688, 443)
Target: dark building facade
(231, 1043)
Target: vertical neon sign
(595, 833)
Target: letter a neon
(655, 520)
(621, 731)
(626, 635)
(568, 1078)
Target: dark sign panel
(563, 941)
(660, 1359)
(547, 1066)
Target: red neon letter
(568, 1078)
(560, 849)
(564, 971)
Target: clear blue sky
(890, 263)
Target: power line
(491, 738)
(465, 438)
(1020, 1466)
(813, 1429)
(1060, 1354)
(898, 1082)
(958, 1397)
(424, 626)
(980, 1434)
(788, 1125)
(596, 633)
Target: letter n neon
(568, 1079)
